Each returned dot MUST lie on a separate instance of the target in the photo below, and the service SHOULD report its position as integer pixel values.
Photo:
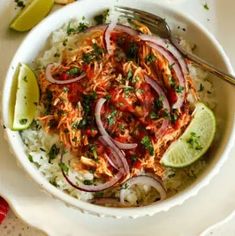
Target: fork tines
(135, 14)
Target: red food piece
(75, 91)
(91, 132)
(4, 208)
(172, 96)
(64, 76)
(137, 164)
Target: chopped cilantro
(54, 151)
(80, 125)
(193, 141)
(74, 71)
(88, 118)
(129, 75)
(127, 90)
(47, 101)
(150, 58)
(147, 144)
(88, 182)
(171, 65)
(97, 49)
(134, 158)
(111, 117)
(206, 7)
(81, 27)
(141, 91)
(93, 150)
(95, 54)
(179, 89)
(20, 3)
(102, 18)
(108, 97)
(70, 30)
(87, 57)
(23, 121)
(125, 186)
(121, 127)
(49, 95)
(153, 115)
(158, 103)
(35, 125)
(87, 100)
(64, 167)
(53, 182)
(174, 117)
(172, 82)
(135, 79)
(30, 157)
(201, 88)
(132, 50)
(166, 114)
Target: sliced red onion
(142, 180)
(102, 130)
(107, 36)
(50, 78)
(175, 59)
(125, 146)
(114, 157)
(178, 72)
(113, 26)
(126, 29)
(167, 45)
(110, 161)
(159, 91)
(117, 154)
(92, 188)
(165, 102)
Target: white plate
(191, 218)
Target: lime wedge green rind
(194, 142)
(27, 98)
(31, 15)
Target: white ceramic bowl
(208, 48)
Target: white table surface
(217, 198)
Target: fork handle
(212, 69)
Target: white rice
(38, 142)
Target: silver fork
(160, 27)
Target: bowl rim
(123, 212)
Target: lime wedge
(27, 98)
(33, 13)
(194, 142)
